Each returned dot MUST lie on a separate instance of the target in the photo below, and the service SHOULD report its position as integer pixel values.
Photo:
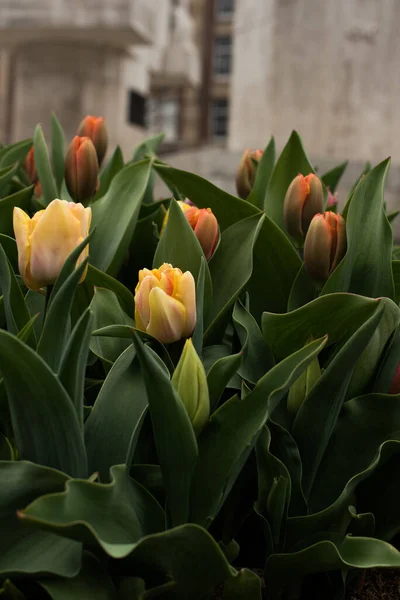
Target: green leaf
(112, 168)
(233, 429)
(292, 161)
(315, 420)
(73, 362)
(389, 363)
(303, 290)
(173, 434)
(366, 268)
(107, 311)
(99, 279)
(23, 551)
(179, 246)
(337, 315)
(6, 176)
(396, 278)
(15, 153)
(115, 216)
(92, 583)
(20, 199)
(148, 146)
(197, 337)
(332, 177)
(228, 209)
(245, 586)
(43, 166)
(263, 174)
(107, 433)
(57, 150)
(219, 376)
(46, 428)
(231, 268)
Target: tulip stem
(49, 289)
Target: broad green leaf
(173, 434)
(233, 429)
(73, 362)
(91, 583)
(263, 174)
(117, 410)
(114, 516)
(23, 551)
(115, 216)
(245, 586)
(46, 428)
(15, 153)
(6, 176)
(358, 181)
(57, 150)
(332, 177)
(220, 375)
(291, 162)
(197, 337)
(303, 290)
(112, 168)
(179, 246)
(231, 268)
(337, 315)
(396, 278)
(148, 146)
(366, 268)
(389, 363)
(316, 420)
(10, 247)
(20, 199)
(228, 209)
(107, 311)
(43, 166)
(99, 279)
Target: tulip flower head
(46, 240)
(165, 303)
(246, 172)
(325, 245)
(304, 199)
(95, 129)
(81, 169)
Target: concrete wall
(328, 68)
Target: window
(224, 10)
(163, 117)
(219, 118)
(222, 55)
(137, 109)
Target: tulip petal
(22, 231)
(167, 317)
(317, 249)
(142, 308)
(295, 197)
(206, 231)
(186, 294)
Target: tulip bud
(332, 202)
(165, 303)
(30, 166)
(205, 227)
(302, 386)
(325, 245)
(95, 129)
(81, 169)
(45, 241)
(304, 199)
(246, 172)
(395, 385)
(190, 381)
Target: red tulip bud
(30, 166)
(205, 226)
(95, 129)
(81, 169)
(304, 199)
(246, 172)
(325, 245)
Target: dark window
(219, 118)
(137, 109)
(224, 9)
(222, 55)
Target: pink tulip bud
(81, 169)
(304, 199)
(95, 129)
(325, 245)
(246, 172)
(332, 202)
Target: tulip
(81, 169)
(30, 166)
(304, 199)
(165, 303)
(46, 240)
(325, 245)
(246, 172)
(190, 381)
(95, 129)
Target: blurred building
(101, 57)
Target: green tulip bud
(190, 381)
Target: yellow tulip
(47, 239)
(165, 303)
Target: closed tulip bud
(205, 226)
(304, 199)
(165, 303)
(30, 166)
(246, 172)
(46, 240)
(81, 169)
(325, 245)
(190, 381)
(95, 129)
